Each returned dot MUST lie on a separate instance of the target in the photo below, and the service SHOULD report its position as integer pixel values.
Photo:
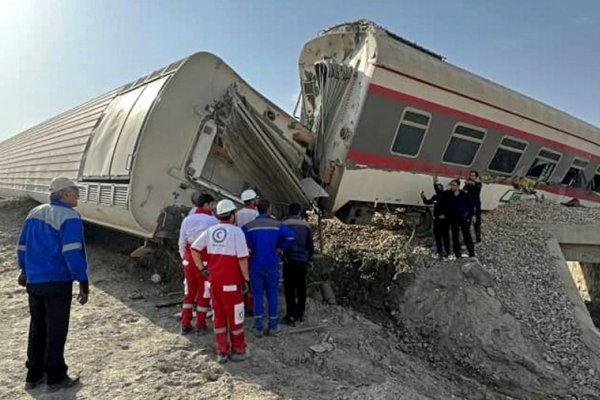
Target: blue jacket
(302, 249)
(264, 236)
(51, 246)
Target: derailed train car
(138, 152)
(388, 114)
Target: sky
(57, 54)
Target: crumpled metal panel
(258, 151)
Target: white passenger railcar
(389, 114)
(138, 152)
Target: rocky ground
(405, 326)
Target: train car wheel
(420, 220)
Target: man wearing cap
(243, 216)
(225, 249)
(267, 238)
(196, 286)
(249, 212)
(51, 255)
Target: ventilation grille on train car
(83, 192)
(106, 195)
(121, 196)
(92, 194)
(112, 195)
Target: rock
(322, 347)
(475, 271)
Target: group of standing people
(232, 259)
(456, 210)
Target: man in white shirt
(249, 212)
(196, 286)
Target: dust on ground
(404, 327)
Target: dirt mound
(504, 323)
(457, 323)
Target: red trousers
(228, 317)
(195, 295)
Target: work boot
(186, 330)
(236, 357)
(66, 383)
(257, 332)
(32, 384)
(201, 331)
(291, 321)
(274, 331)
(222, 358)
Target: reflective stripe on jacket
(51, 246)
(265, 235)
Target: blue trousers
(261, 279)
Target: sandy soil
(408, 327)
(130, 349)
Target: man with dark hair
(441, 229)
(473, 188)
(295, 265)
(51, 255)
(196, 286)
(224, 247)
(460, 211)
(266, 238)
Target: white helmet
(248, 194)
(224, 207)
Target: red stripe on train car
(478, 121)
(401, 164)
(482, 102)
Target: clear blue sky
(57, 54)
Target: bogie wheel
(419, 219)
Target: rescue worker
(248, 213)
(473, 188)
(441, 229)
(51, 255)
(196, 286)
(460, 212)
(297, 259)
(266, 238)
(244, 215)
(225, 249)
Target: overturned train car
(388, 115)
(138, 152)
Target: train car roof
(399, 54)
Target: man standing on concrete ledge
(51, 255)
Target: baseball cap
(61, 183)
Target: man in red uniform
(227, 256)
(197, 291)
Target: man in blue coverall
(266, 238)
(51, 255)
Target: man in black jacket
(441, 229)
(460, 212)
(297, 259)
(473, 187)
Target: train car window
(123, 154)
(595, 182)
(463, 145)
(410, 133)
(544, 165)
(104, 139)
(575, 176)
(508, 155)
